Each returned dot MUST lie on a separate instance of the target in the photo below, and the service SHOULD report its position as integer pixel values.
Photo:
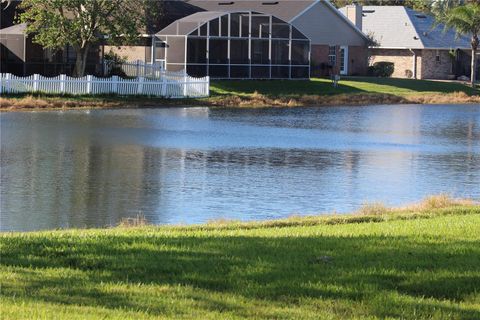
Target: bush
(114, 61)
(382, 69)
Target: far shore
(353, 91)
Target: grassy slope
(351, 91)
(278, 88)
(418, 268)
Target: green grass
(317, 86)
(390, 266)
(280, 93)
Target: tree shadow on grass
(279, 88)
(287, 269)
(417, 85)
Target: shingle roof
(401, 27)
(286, 10)
(17, 29)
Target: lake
(192, 165)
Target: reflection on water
(89, 169)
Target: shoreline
(51, 103)
(430, 207)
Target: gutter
(414, 63)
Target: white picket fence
(169, 85)
(136, 68)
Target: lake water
(192, 165)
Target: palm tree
(466, 21)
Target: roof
(286, 10)
(190, 23)
(342, 16)
(401, 27)
(17, 29)
(13, 38)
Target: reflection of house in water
(79, 180)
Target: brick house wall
(401, 58)
(433, 68)
(130, 53)
(319, 60)
(357, 60)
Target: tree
(82, 24)
(466, 21)
(420, 5)
(440, 7)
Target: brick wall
(402, 59)
(319, 59)
(433, 69)
(131, 53)
(357, 60)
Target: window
(343, 60)
(260, 52)
(332, 55)
(196, 50)
(218, 53)
(280, 52)
(300, 52)
(437, 56)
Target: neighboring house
(412, 40)
(205, 40)
(21, 56)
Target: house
(21, 56)
(253, 39)
(418, 47)
(225, 39)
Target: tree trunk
(81, 62)
(473, 72)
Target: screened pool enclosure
(238, 45)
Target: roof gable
(283, 9)
(401, 27)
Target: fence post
(185, 85)
(36, 79)
(63, 78)
(208, 86)
(115, 84)
(140, 85)
(89, 84)
(8, 76)
(164, 86)
(138, 68)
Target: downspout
(414, 63)
(152, 52)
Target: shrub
(114, 61)
(382, 69)
(409, 74)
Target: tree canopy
(466, 21)
(427, 6)
(81, 24)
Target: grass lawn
(408, 266)
(317, 86)
(280, 93)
